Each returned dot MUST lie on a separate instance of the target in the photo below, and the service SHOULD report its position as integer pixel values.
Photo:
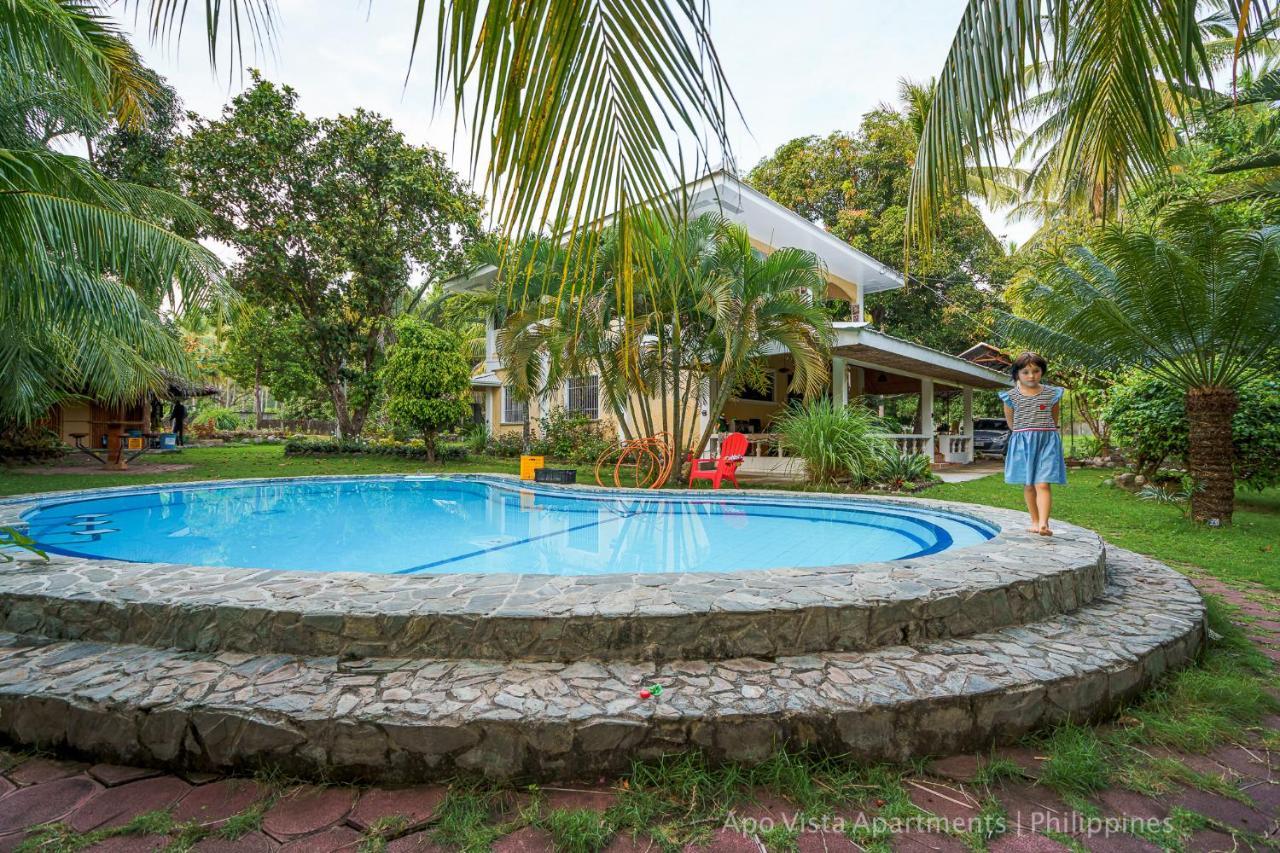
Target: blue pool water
(433, 525)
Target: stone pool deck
(1014, 578)
(369, 678)
(403, 719)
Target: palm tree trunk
(1210, 454)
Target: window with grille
(514, 411)
(583, 396)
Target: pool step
(1016, 579)
(399, 720)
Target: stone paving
(319, 820)
(1015, 578)
(414, 719)
(61, 787)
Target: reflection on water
(431, 526)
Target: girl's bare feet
(1044, 530)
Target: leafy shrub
(217, 418)
(569, 437)
(507, 445)
(1148, 416)
(477, 438)
(837, 443)
(427, 379)
(898, 470)
(29, 444)
(414, 449)
(1083, 446)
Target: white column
(926, 416)
(491, 360)
(966, 424)
(839, 382)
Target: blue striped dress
(1034, 454)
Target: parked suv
(990, 436)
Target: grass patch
(577, 830)
(1246, 551)
(244, 461)
(465, 820)
(1078, 761)
(998, 769)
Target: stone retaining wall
(402, 720)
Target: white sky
(797, 67)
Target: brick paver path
(44, 789)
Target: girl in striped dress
(1034, 453)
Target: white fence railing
(909, 444)
(767, 455)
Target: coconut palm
(84, 262)
(580, 109)
(1109, 74)
(570, 103)
(1195, 303)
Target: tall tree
(857, 184)
(1195, 303)
(332, 218)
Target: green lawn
(1250, 550)
(247, 460)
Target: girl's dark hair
(1028, 358)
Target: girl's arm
(1008, 415)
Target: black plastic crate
(555, 475)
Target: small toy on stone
(656, 690)
(645, 694)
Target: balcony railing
(767, 455)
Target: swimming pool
(434, 525)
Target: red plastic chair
(732, 451)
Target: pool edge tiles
(1014, 577)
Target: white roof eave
(853, 334)
(766, 222)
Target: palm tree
(998, 186)
(572, 104)
(1195, 303)
(766, 302)
(85, 263)
(581, 109)
(705, 307)
(1106, 76)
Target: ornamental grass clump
(837, 443)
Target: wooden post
(115, 447)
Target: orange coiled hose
(650, 459)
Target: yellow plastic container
(135, 442)
(529, 464)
